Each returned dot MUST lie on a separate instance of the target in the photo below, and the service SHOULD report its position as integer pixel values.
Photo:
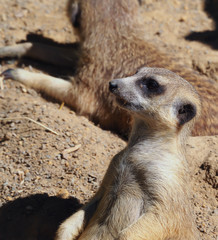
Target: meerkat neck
(164, 149)
(142, 131)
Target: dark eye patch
(150, 86)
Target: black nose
(113, 85)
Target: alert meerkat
(145, 192)
(112, 45)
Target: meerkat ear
(75, 14)
(185, 112)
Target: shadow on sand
(56, 70)
(208, 37)
(35, 217)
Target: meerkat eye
(151, 84)
(150, 87)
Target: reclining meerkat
(112, 46)
(144, 193)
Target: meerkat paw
(55, 87)
(19, 75)
(72, 227)
(9, 74)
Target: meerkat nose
(113, 85)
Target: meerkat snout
(113, 85)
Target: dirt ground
(46, 176)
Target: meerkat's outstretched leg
(75, 93)
(58, 56)
(50, 85)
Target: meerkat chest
(131, 185)
(138, 181)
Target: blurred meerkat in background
(112, 45)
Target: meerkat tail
(52, 86)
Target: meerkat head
(84, 14)
(159, 97)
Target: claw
(8, 74)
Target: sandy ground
(44, 177)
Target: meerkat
(112, 45)
(145, 193)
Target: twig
(31, 120)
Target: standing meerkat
(145, 193)
(112, 45)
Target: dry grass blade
(72, 149)
(62, 104)
(1, 83)
(31, 120)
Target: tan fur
(111, 46)
(145, 192)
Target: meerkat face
(157, 94)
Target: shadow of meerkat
(35, 217)
(209, 37)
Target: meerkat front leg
(52, 86)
